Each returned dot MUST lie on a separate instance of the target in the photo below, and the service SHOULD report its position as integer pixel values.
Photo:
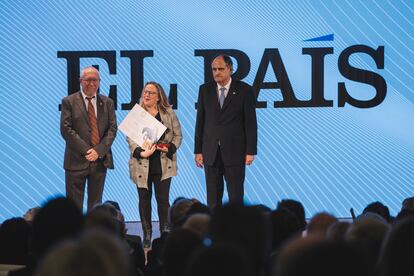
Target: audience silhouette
(232, 239)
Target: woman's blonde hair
(162, 104)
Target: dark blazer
(234, 125)
(76, 130)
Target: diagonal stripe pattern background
(329, 158)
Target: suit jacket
(234, 125)
(76, 130)
(139, 169)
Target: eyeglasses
(91, 80)
(150, 93)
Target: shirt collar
(84, 95)
(227, 86)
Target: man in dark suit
(225, 132)
(88, 125)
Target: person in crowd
(180, 246)
(320, 222)
(337, 231)
(15, 235)
(245, 227)
(284, 226)
(367, 234)
(397, 252)
(94, 253)
(380, 209)
(404, 213)
(179, 211)
(155, 165)
(295, 207)
(408, 203)
(314, 255)
(220, 260)
(30, 214)
(198, 223)
(59, 219)
(106, 217)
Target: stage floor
(134, 228)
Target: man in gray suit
(88, 125)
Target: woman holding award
(153, 164)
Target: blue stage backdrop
(335, 103)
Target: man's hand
(249, 159)
(148, 152)
(199, 160)
(91, 155)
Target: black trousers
(75, 184)
(162, 193)
(215, 176)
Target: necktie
(92, 120)
(222, 96)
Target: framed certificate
(141, 127)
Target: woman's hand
(148, 152)
(162, 148)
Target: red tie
(92, 120)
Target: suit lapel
(100, 110)
(213, 99)
(80, 103)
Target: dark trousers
(162, 193)
(75, 184)
(234, 176)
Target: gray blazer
(138, 169)
(76, 130)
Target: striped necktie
(92, 120)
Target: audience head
(397, 254)
(371, 215)
(408, 203)
(315, 255)
(219, 260)
(95, 253)
(380, 209)
(114, 204)
(244, 226)
(198, 224)
(177, 214)
(403, 214)
(320, 223)
(15, 234)
(262, 208)
(30, 214)
(198, 208)
(106, 217)
(179, 247)
(59, 219)
(337, 231)
(295, 207)
(284, 226)
(367, 235)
